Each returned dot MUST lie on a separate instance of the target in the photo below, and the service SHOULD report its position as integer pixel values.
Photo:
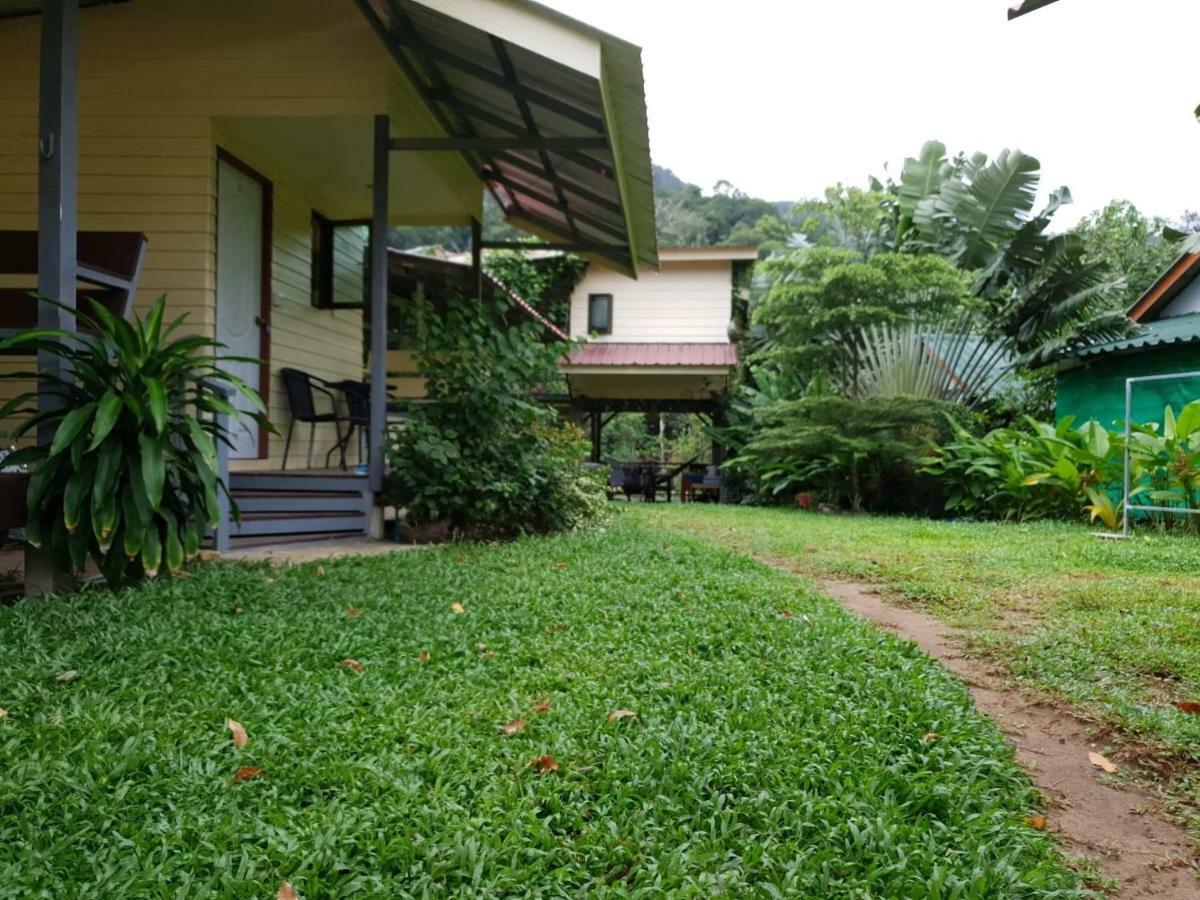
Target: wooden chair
(109, 263)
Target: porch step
(299, 504)
(276, 523)
(297, 501)
(248, 543)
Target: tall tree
(1133, 244)
(819, 301)
(1043, 290)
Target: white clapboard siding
(685, 302)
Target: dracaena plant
(130, 477)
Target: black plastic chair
(302, 389)
(357, 398)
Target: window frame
(607, 328)
(321, 264)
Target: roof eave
(1178, 276)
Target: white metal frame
(1129, 383)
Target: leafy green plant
(130, 477)
(860, 454)
(1040, 472)
(545, 283)
(1043, 291)
(1165, 461)
(1043, 471)
(482, 453)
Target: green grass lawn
(1111, 626)
(780, 747)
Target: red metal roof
(607, 354)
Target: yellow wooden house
(257, 144)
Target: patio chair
(357, 398)
(302, 389)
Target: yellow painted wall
(162, 84)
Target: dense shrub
(1043, 471)
(1038, 472)
(482, 454)
(864, 455)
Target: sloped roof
(1181, 273)
(554, 123)
(1173, 330)
(1024, 7)
(674, 355)
(11, 9)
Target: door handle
(263, 324)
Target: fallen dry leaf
(457, 608)
(245, 773)
(240, 738)
(1101, 762)
(680, 596)
(557, 626)
(1038, 822)
(3, 713)
(1188, 706)
(785, 614)
(460, 560)
(69, 675)
(545, 764)
(618, 714)
(807, 620)
(560, 565)
(542, 707)
(351, 664)
(481, 647)
(514, 726)
(236, 610)
(321, 570)
(287, 892)
(424, 656)
(931, 736)
(354, 612)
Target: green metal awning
(1173, 330)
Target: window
(340, 253)
(600, 313)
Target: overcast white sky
(784, 97)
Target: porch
(429, 104)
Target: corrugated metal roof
(1173, 330)
(482, 86)
(1024, 7)
(700, 355)
(11, 9)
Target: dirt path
(1148, 856)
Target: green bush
(130, 477)
(1063, 472)
(482, 453)
(865, 455)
